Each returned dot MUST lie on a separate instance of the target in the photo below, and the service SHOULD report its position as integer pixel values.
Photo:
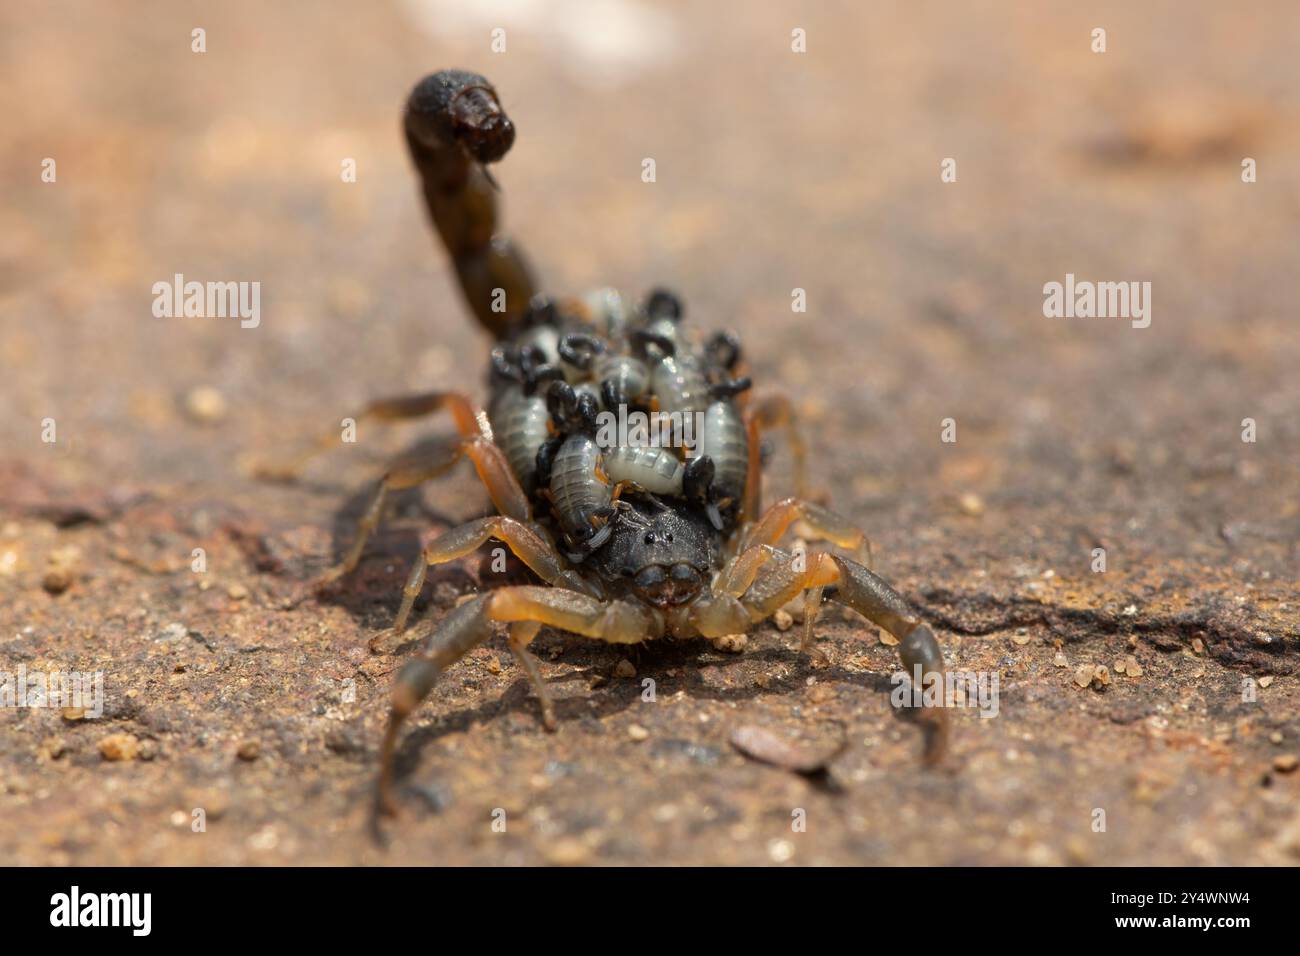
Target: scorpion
(632, 542)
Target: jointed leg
(396, 409)
(848, 582)
(529, 546)
(780, 581)
(869, 595)
(491, 465)
(765, 413)
(521, 635)
(756, 583)
(739, 572)
(464, 627)
(824, 523)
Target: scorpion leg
(873, 598)
(493, 470)
(466, 626)
(767, 412)
(776, 582)
(521, 635)
(739, 572)
(779, 580)
(756, 583)
(396, 409)
(522, 539)
(824, 523)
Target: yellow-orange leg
(490, 464)
(469, 422)
(765, 413)
(739, 572)
(475, 443)
(521, 635)
(523, 539)
(777, 582)
(764, 579)
(464, 627)
(825, 524)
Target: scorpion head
(665, 556)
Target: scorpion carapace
(620, 448)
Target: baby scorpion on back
(633, 540)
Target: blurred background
(775, 170)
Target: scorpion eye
(670, 537)
(649, 537)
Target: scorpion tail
(455, 126)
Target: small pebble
(494, 664)
(1020, 640)
(1198, 645)
(780, 750)
(237, 592)
(205, 404)
(624, 669)
(731, 643)
(1286, 763)
(567, 851)
(1266, 681)
(1059, 660)
(780, 851)
(55, 747)
(1083, 675)
(820, 693)
(61, 569)
(971, 504)
(1276, 737)
(638, 733)
(119, 747)
(57, 580)
(782, 620)
(249, 750)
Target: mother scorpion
(634, 541)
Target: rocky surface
(774, 171)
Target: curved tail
(455, 126)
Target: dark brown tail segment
(454, 126)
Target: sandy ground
(775, 171)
